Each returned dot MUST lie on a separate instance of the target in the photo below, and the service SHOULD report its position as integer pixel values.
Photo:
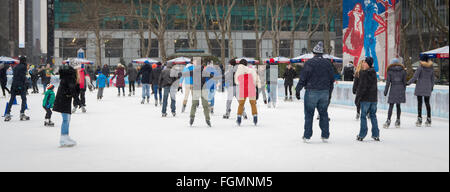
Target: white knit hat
(318, 48)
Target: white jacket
(242, 70)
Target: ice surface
(120, 134)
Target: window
(114, 48)
(181, 44)
(249, 48)
(68, 47)
(216, 48)
(249, 25)
(285, 48)
(154, 50)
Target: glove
(297, 94)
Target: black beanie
(369, 61)
(23, 59)
(243, 62)
(424, 57)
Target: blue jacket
(317, 74)
(101, 81)
(210, 81)
(187, 78)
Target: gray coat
(132, 73)
(425, 79)
(396, 82)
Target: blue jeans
(167, 92)
(145, 91)
(316, 99)
(371, 109)
(65, 123)
(156, 92)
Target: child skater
(49, 99)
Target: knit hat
(72, 63)
(50, 86)
(23, 59)
(318, 49)
(243, 62)
(395, 61)
(424, 57)
(369, 61)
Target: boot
(274, 105)
(227, 115)
(245, 115)
(174, 114)
(387, 124)
(208, 122)
(290, 98)
(50, 123)
(23, 117)
(358, 138)
(324, 140)
(255, 119)
(123, 94)
(183, 109)
(239, 120)
(156, 104)
(66, 141)
(118, 94)
(46, 122)
(143, 101)
(265, 102)
(164, 115)
(419, 122)
(428, 122)
(74, 109)
(305, 140)
(133, 93)
(148, 100)
(83, 109)
(285, 98)
(397, 123)
(191, 122)
(358, 115)
(129, 94)
(7, 117)
(376, 138)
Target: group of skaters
(242, 80)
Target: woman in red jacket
(120, 81)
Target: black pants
(427, 105)
(3, 84)
(82, 98)
(131, 86)
(35, 87)
(123, 89)
(391, 108)
(286, 89)
(48, 114)
(23, 94)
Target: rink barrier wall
(343, 95)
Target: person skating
(272, 82)
(368, 91)
(106, 72)
(317, 77)
(396, 87)
(132, 75)
(188, 83)
(3, 78)
(248, 80)
(288, 77)
(211, 84)
(424, 79)
(348, 71)
(232, 90)
(34, 73)
(262, 77)
(18, 87)
(157, 89)
(47, 104)
(355, 89)
(101, 84)
(82, 83)
(119, 74)
(167, 80)
(63, 101)
(145, 74)
(199, 76)
(46, 76)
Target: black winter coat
(146, 72)
(368, 88)
(289, 76)
(3, 78)
(156, 73)
(66, 90)
(317, 74)
(19, 76)
(396, 83)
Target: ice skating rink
(120, 134)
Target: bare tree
(222, 18)
(331, 10)
(159, 13)
(276, 14)
(204, 5)
(313, 22)
(191, 10)
(260, 24)
(296, 20)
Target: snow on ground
(120, 134)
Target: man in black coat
(18, 87)
(3, 79)
(146, 80)
(289, 76)
(168, 81)
(368, 93)
(317, 77)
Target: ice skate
(83, 109)
(274, 105)
(358, 138)
(285, 98)
(419, 122)
(387, 124)
(255, 120)
(133, 93)
(428, 122)
(48, 123)
(7, 117)
(397, 123)
(74, 109)
(269, 105)
(191, 122)
(226, 116)
(129, 94)
(23, 117)
(305, 140)
(118, 95)
(174, 114)
(239, 120)
(208, 122)
(212, 110)
(143, 101)
(148, 100)
(290, 98)
(245, 115)
(66, 141)
(123, 94)
(376, 138)
(183, 109)
(324, 140)
(164, 115)
(156, 104)
(358, 115)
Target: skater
(132, 74)
(355, 89)
(396, 86)
(145, 74)
(66, 91)
(348, 72)
(211, 84)
(18, 87)
(317, 77)
(272, 82)
(101, 84)
(106, 72)
(34, 73)
(199, 76)
(46, 76)
(187, 79)
(368, 91)
(120, 80)
(232, 90)
(288, 77)
(262, 77)
(82, 81)
(248, 80)
(424, 79)
(3, 78)
(47, 104)
(157, 89)
(167, 80)
(138, 79)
